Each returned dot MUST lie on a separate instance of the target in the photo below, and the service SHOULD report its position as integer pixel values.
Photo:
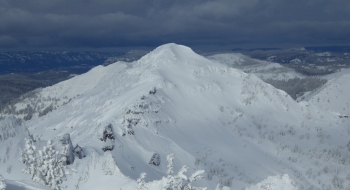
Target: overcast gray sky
(67, 24)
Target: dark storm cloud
(116, 23)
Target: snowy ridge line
(281, 77)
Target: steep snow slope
(42, 101)
(334, 96)
(237, 128)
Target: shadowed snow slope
(237, 128)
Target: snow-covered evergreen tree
(51, 167)
(30, 158)
(180, 181)
(172, 182)
(141, 182)
(170, 165)
(2, 183)
(44, 166)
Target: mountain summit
(240, 130)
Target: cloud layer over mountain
(105, 23)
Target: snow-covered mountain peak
(171, 50)
(170, 54)
(179, 50)
(128, 117)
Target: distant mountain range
(310, 55)
(35, 61)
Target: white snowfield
(230, 124)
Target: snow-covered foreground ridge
(237, 128)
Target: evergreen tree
(141, 182)
(51, 166)
(180, 181)
(30, 158)
(44, 166)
